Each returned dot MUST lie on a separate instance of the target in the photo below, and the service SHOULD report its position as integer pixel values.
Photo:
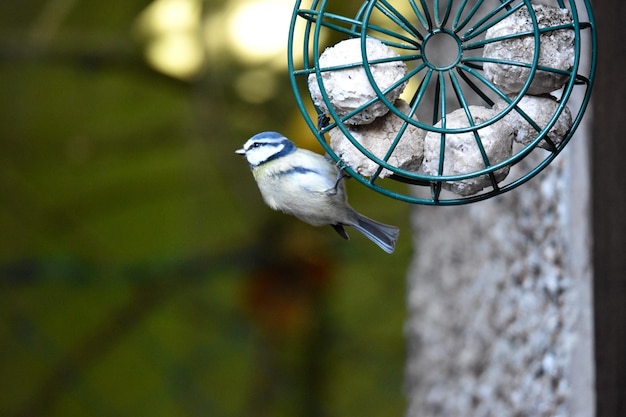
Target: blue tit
(308, 186)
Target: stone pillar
(500, 300)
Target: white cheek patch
(257, 156)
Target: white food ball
(348, 89)
(540, 109)
(462, 155)
(557, 50)
(377, 138)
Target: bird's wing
(313, 172)
(311, 179)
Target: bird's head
(264, 147)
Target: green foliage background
(140, 272)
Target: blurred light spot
(256, 86)
(258, 30)
(176, 54)
(172, 15)
(171, 29)
(255, 32)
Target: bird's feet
(322, 121)
(341, 174)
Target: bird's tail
(383, 235)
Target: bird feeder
(462, 99)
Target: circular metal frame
(462, 78)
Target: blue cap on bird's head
(268, 135)
(265, 146)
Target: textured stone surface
(557, 50)
(500, 305)
(540, 110)
(349, 89)
(377, 138)
(499, 300)
(462, 155)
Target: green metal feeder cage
(446, 50)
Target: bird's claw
(340, 176)
(322, 121)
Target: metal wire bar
(425, 13)
(307, 71)
(440, 100)
(400, 133)
(517, 35)
(418, 13)
(518, 64)
(371, 101)
(470, 119)
(365, 105)
(488, 83)
(473, 86)
(487, 22)
(438, 20)
(368, 103)
(456, 25)
(421, 90)
(392, 148)
(397, 17)
(512, 103)
(314, 16)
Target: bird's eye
(255, 145)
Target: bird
(309, 186)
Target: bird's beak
(241, 151)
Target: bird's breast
(304, 192)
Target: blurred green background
(140, 272)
